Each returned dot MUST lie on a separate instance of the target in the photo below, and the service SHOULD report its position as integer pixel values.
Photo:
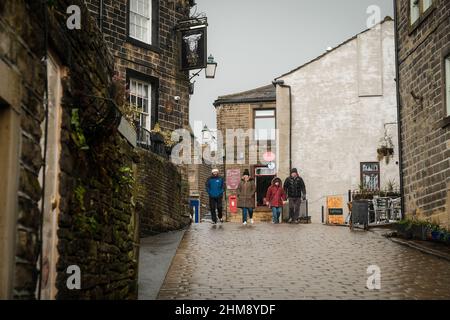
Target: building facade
(75, 180)
(423, 33)
(342, 109)
(146, 47)
(243, 112)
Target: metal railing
(151, 141)
(143, 137)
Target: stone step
(257, 217)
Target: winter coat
(294, 187)
(215, 186)
(246, 194)
(276, 195)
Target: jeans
(276, 212)
(215, 203)
(244, 214)
(294, 208)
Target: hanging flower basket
(385, 151)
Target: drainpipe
(100, 15)
(281, 84)
(397, 81)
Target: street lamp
(211, 67)
(206, 133)
(210, 72)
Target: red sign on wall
(233, 178)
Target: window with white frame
(140, 27)
(447, 83)
(140, 101)
(418, 8)
(265, 124)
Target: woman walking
(275, 198)
(246, 197)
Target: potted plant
(386, 149)
(419, 230)
(435, 232)
(404, 228)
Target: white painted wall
(340, 105)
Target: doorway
(263, 180)
(9, 173)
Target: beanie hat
(294, 170)
(246, 172)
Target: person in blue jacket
(215, 188)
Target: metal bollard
(323, 209)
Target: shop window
(370, 175)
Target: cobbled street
(267, 261)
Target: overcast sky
(254, 41)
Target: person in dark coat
(275, 198)
(295, 189)
(215, 188)
(246, 196)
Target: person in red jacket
(275, 198)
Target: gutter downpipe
(397, 82)
(100, 16)
(281, 84)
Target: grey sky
(255, 41)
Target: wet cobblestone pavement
(267, 261)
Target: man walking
(215, 189)
(296, 192)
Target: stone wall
(160, 60)
(425, 139)
(162, 195)
(97, 221)
(23, 77)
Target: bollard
(322, 213)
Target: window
(140, 24)
(447, 84)
(265, 124)
(418, 8)
(370, 175)
(140, 93)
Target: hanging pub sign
(193, 49)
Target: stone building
(331, 114)
(423, 33)
(74, 178)
(341, 106)
(143, 39)
(145, 46)
(246, 111)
